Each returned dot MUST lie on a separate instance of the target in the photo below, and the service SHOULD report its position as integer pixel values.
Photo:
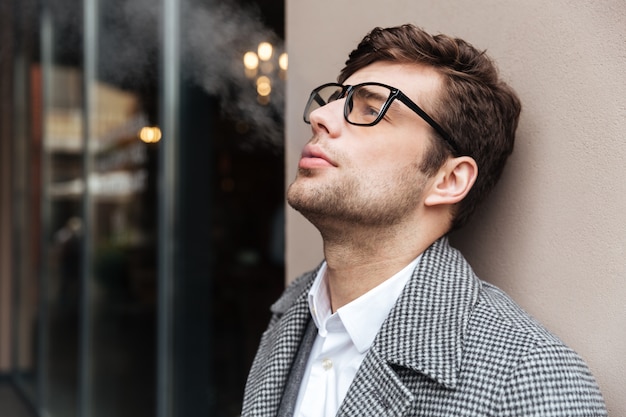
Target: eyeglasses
(367, 103)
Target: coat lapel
(421, 340)
(376, 391)
(277, 350)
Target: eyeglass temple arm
(430, 121)
(319, 100)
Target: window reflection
(86, 182)
(122, 288)
(63, 188)
(123, 236)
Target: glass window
(26, 221)
(90, 129)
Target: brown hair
(477, 109)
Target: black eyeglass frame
(348, 90)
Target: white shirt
(342, 341)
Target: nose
(328, 119)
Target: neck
(360, 258)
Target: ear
(453, 181)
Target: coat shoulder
(498, 315)
(525, 362)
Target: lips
(313, 157)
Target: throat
(349, 277)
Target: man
(394, 322)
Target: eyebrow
(365, 92)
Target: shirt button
(327, 364)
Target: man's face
(367, 175)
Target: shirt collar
(362, 317)
(319, 300)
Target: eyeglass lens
(363, 106)
(320, 97)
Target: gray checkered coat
(452, 346)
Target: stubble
(358, 199)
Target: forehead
(421, 83)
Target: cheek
(391, 160)
(387, 149)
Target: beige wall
(554, 232)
